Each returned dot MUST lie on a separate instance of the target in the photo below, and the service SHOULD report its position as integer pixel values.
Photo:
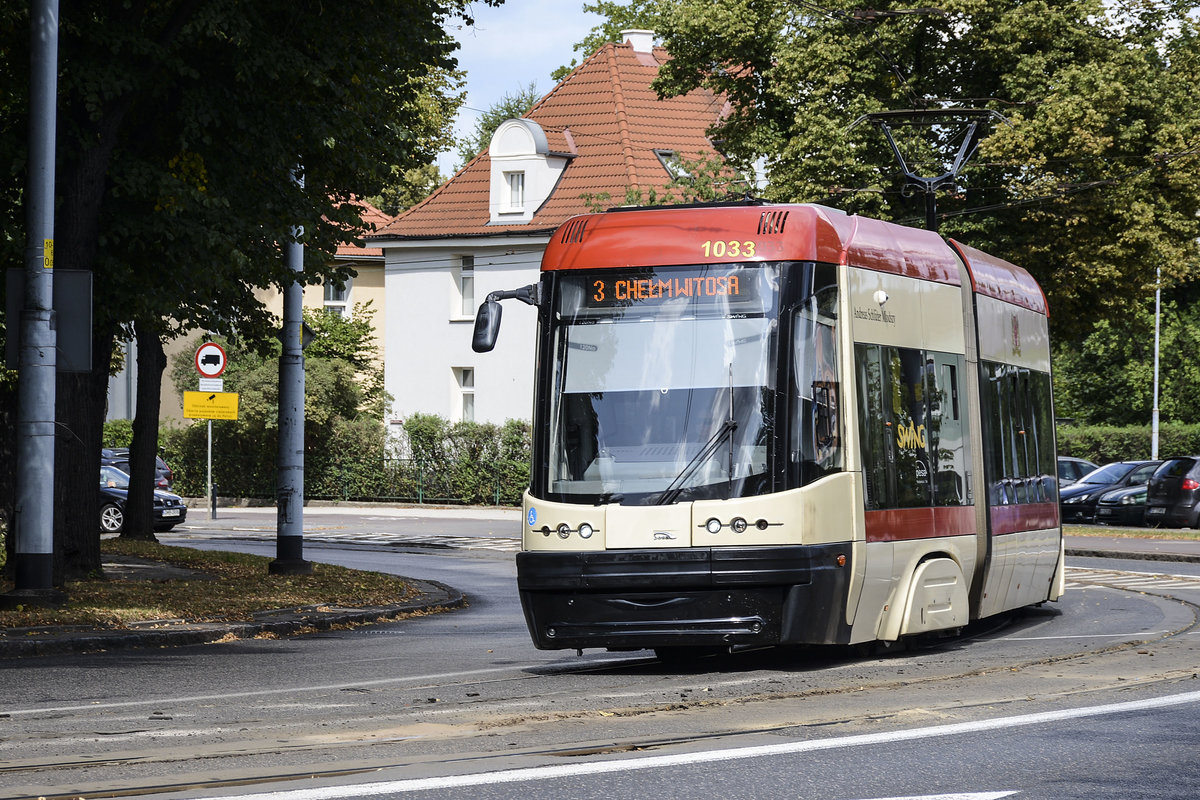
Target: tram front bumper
(685, 597)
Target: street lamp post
(1157, 316)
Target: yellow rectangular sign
(210, 405)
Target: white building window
(337, 298)
(465, 379)
(516, 190)
(466, 286)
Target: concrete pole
(33, 525)
(289, 540)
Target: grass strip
(229, 586)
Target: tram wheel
(879, 649)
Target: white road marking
(686, 759)
(970, 796)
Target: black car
(1173, 498)
(119, 457)
(1125, 507)
(1077, 502)
(169, 509)
(1071, 469)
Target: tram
(766, 424)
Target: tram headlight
(564, 530)
(713, 525)
(738, 525)
(585, 531)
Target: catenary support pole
(289, 537)
(33, 523)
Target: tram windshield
(663, 383)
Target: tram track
(843, 693)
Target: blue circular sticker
(532, 518)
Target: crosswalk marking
(1078, 578)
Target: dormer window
(524, 170)
(516, 190)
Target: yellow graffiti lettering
(911, 437)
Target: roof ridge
(566, 79)
(622, 118)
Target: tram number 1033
(728, 249)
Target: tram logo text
(875, 315)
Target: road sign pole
(212, 498)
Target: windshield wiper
(672, 491)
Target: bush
(118, 433)
(1106, 443)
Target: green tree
(511, 106)
(1092, 182)
(440, 96)
(410, 187)
(352, 340)
(180, 126)
(1108, 379)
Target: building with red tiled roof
(600, 135)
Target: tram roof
(645, 237)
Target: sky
(509, 47)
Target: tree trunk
(8, 455)
(139, 507)
(80, 400)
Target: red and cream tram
(768, 424)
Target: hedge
(1103, 444)
(434, 461)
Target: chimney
(641, 40)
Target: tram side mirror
(487, 326)
(487, 319)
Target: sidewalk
(1128, 547)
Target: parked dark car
(169, 509)
(1077, 502)
(1071, 469)
(1125, 507)
(119, 457)
(1173, 499)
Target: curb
(1131, 555)
(23, 642)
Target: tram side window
(949, 432)
(816, 439)
(877, 452)
(1018, 435)
(913, 426)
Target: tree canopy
(1091, 183)
(195, 137)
